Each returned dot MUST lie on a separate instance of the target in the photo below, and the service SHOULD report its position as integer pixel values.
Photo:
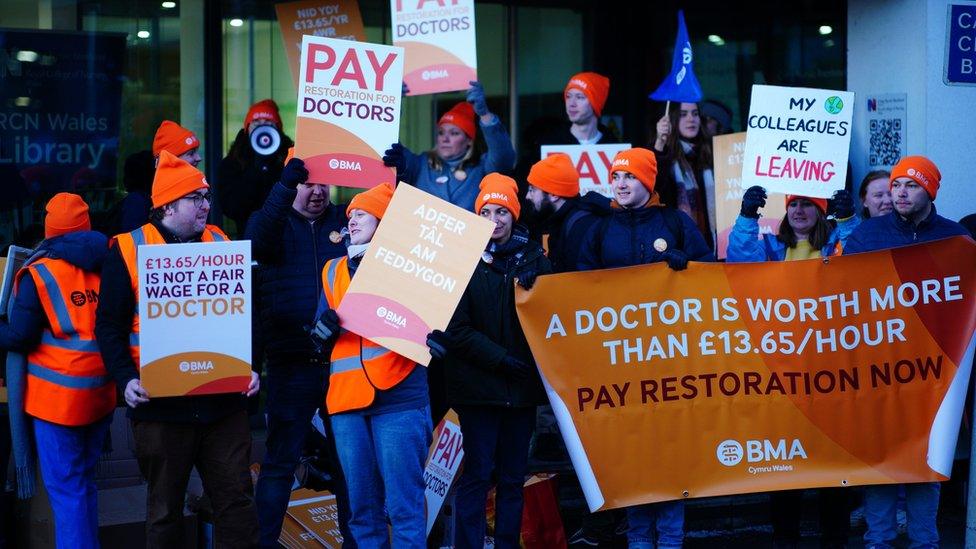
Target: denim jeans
(495, 440)
(68, 456)
(294, 393)
(666, 518)
(922, 505)
(383, 458)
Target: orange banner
(328, 18)
(750, 377)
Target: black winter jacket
(485, 329)
(568, 226)
(290, 251)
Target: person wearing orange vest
(377, 403)
(172, 435)
(68, 393)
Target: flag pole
(667, 107)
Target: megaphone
(265, 140)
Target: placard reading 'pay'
(439, 43)
(592, 163)
(798, 140)
(348, 110)
(412, 277)
(195, 318)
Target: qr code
(886, 140)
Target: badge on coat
(660, 245)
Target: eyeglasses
(199, 199)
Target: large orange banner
(750, 377)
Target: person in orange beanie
(59, 394)
(558, 213)
(178, 141)
(173, 435)
(377, 401)
(492, 380)
(453, 169)
(247, 177)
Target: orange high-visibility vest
(67, 382)
(358, 366)
(128, 244)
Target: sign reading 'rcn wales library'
(195, 318)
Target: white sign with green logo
(797, 140)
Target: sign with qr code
(887, 119)
(960, 58)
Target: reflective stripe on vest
(128, 244)
(67, 382)
(358, 367)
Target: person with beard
(639, 230)
(453, 169)
(244, 177)
(292, 236)
(558, 212)
(174, 435)
(492, 381)
(685, 178)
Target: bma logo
(621, 162)
(730, 452)
(80, 299)
(434, 75)
(196, 367)
(336, 164)
(494, 196)
(912, 172)
(391, 318)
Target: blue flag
(681, 85)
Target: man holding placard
(172, 435)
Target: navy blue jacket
(626, 238)
(83, 249)
(291, 252)
(891, 231)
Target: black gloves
(326, 328)
(842, 205)
(394, 157)
(515, 368)
(439, 344)
(753, 199)
(294, 173)
(527, 279)
(677, 259)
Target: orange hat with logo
(263, 110)
(820, 203)
(66, 213)
(595, 87)
(373, 201)
(174, 139)
(639, 162)
(175, 178)
(498, 189)
(556, 175)
(461, 115)
(921, 170)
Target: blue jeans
(383, 458)
(667, 518)
(496, 440)
(294, 393)
(922, 506)
(68, 456)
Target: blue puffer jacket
(891, 231)
(626, 237)
(744, 244)
(500, 157)
(291, 252)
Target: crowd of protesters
(380, 406)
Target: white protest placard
(443, 463)
(592, 163)
(348, 110)
(798, 140)
(418, 264)
(439, 43)
(195, 318)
